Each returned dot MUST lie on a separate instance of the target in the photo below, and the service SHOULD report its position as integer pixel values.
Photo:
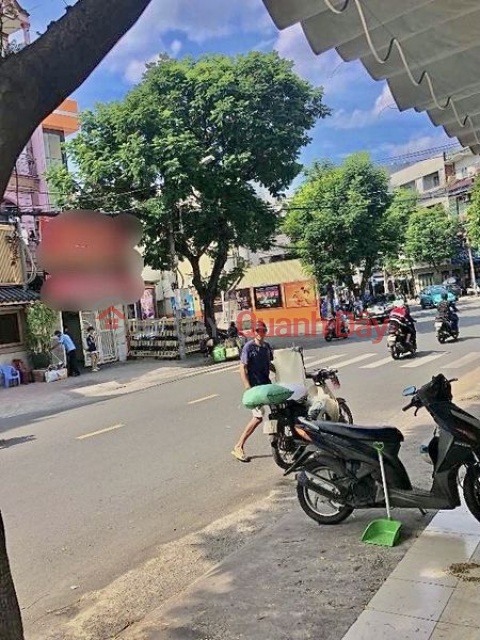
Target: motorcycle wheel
(314, 505)
(328, 337)
(283, 451)
(346, 415)
(441, 339)
(471, 490)
(395, 354)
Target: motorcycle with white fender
(316, 401)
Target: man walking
(71, 351)
(255, 365)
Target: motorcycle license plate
(270, 427)
(438, 325)
(392, 340)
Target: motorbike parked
(317, 403)
(340, 470)
(444, 330)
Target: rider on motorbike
(400, 319)
(448, 311)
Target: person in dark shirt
(92, 348)
(447, 310)
(255, 366)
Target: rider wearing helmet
(448, 311)
(401, 320)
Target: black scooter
(340, 471)
(445, 330)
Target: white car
(471, 291)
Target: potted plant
(41, 322)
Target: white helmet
(400, 304)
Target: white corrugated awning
(427, 50)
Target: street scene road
(174, 173)
(88, 494)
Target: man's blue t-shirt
(67, 342)
(257, 359)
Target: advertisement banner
(268, 297)
(300, 294)
(147, 303)
(243, 298)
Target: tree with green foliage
(431, 237)
(53, 66)
(186, 150)
(340, 220)
(473, 217)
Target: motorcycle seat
(372, 434)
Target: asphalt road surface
(87, 493)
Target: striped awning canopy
(274, 273)
(427, 50)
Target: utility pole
(468, 246)
(178, 298)
(472, 264)
(21, 251)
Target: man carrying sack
(255, 365)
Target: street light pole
(472, 264)
(468, 246)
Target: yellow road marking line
(214, 395)
(99, 432)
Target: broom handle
(384, 481)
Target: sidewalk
(433, 594)
(112, 380)
(299, 581)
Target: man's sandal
(239, 454)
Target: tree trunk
(367, 273)
(10, 619)
(35, 81)
(209, 313)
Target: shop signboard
(268, 297)
(300, 294)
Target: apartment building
(445, 180)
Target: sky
(364, 116)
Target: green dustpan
(384, 532)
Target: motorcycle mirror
(410, 391)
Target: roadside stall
(278, 292)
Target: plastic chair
(11, 377)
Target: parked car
(432, 296)
(455, 289)
(471, 291)
(452, 285)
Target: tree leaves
(431, 236)
(249, 114)
(339, 219)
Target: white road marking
(419, 362)
(324, 360)
(214, 395)
(100, 431)
(346, 363)
(232, 367)
(457, 364)
(379, 363)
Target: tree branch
(34, 82)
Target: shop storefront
(276, 292)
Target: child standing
(92, 348)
